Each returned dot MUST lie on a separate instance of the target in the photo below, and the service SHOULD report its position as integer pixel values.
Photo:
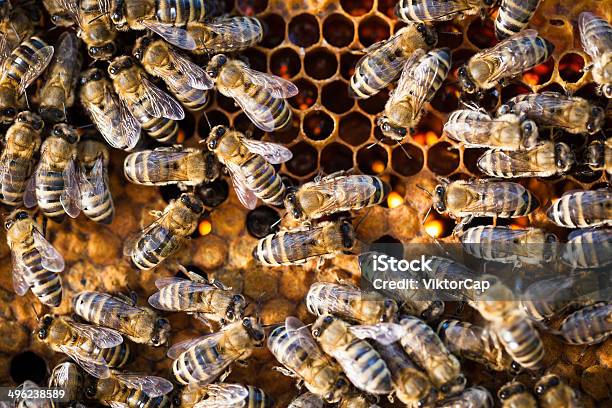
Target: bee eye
(8, 225)
(222, 59)
(115, 16)
(504, 394)
(328, 319)
(237, 298)
(316, 333)
(97, 76)
(539, 390)
(42, 334)
(47, 320)
(110, 47)
(590, 127)
(439, 190)
(112, 70)
(128, 63)
(9, 112)
(445, 388)
(340, 383)
(212, 145)
(229, 315)
(21, 215)
(57, 132)
(94, 50)
(91, 392)
(554, 381)
(246, 322)
(421, 28)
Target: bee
(465, 200)
(24, 395)
(383, 61)
(421, 78)
(440, 10)
(202, 360)
(545, 160)
(509, 323)
(334, 193)
(16, 23)
(164, 236)
(350, 303)
(596, 36)
(515, 395)
(507, 59)
(546, 298)
(19, 69)
(476, 343)
(95, 349)
(514, 16)
(96, 199)
(55, 183)
(249, 165)
(57, 93)
(112, 118)
(36, 263)
(589, 325)
(412, 386)
(582, 209)
(186, 80)
(307, 400)
(298, 245)
(570, 113)
(225, 34)
(588, 248)
(131, 390)
(261, 96)
(508, 245)
(476, 128)
(552, 392)
(599, 155)
(208, 301)
(171, 165)
(68, 377)
(293, 346)
(448, 269)
(155, 110)
(473, 397)
(362, 364)
(18, 158)
(224, 395)
(121, 313)
(357, 401)
(60, 16)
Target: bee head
(341, 388)
(91, 75)
(596, 120)
(215, 65)
(30, 118)
(529, 133)
(254, 330)
(66, 132)
(61, 20)
(292, 204)
(454, 386)
(595, 155)
(160, 332)
(430, 36)
(433, 311)
(466, 81)
(606, 90)
(439, 199)
(235, 309)
(119, 64)
(8, 114)
(510, 389)
(348, 234)
(141, 46)
(564, 157)
(215, 135)
(117, 16)
(390, 310)
(489, 3)
(16, 215)
(321, 324)
(44, 327)
(102, 52)
(391, 131)
(545, 383)
(91, 391)
(192, 202)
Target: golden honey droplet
(378, 166)
(394, 199)
(434, 228)
(431, 138)
(205, 227)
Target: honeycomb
(316, 44)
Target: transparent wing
(117, 404)
(40, 61)
(171, 164)
(424, 79)
(384, 333)
(231, 34)
(100, 336)
(437, 10)
(342, 192)
(302, 336)
(210, 340)
(19, 274)
(262, 118)
(60, 374)
(184, 292)
(29, 194)
(163, 282)
(130, 243)
(71, 196)
(493, 199)
(594, 44)
(94, 185)
(161, 104)
(72, 7)
(115, 122)
(390, 46)
(50, 258)
(507, 57)
(245, 195)
(95, 366)
(67, 48)
(150, 385)
(519, 160)
(272, 152)
(405, 83)
(5, 48)
(277, 86)
(174, 35)
(195, 75)
(129, 128)
(224, 395)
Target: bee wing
(50, 258)
(173, 35)
(343, 193)
(196, 75)
(150, 385)
(231, 35)
(272, 152)
(603, 44)
(492, 199)
(94, 366)
(383, 333)
(301, 332)
(437, 10)
(406, 80)
(262, 118)
(5, 48)
(161, 104)
(20, 284)
(277, 86)
(67, 47)
(95, 184)
(389, 47)
(71, 196)
(60, 374)
(41, 60)
(116, 123)
(519, 159)
(245, 195)
(163, 282)
(224, 396)
(29, 194)
(100, 336)
(177, 349)
(72, 7)
(184, 291)
(117, 404)
(171, 162)
(509, 61)
(424, 77)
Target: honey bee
(298, 245)
(476, 128)
(465, 200)
(208, 301)
(582, 209)
(57, 93)
(225, 34)
(508, 59)
(224, 395)
(445, 268)
(362, 364)
(55, 183)
(60, 16)
(440, 10)
(112, 118)
(515, 395)
(570, 113)
(130, 390)
(596, 36)
(261, 96)
(509, 323)
(16, 23)
(350, 303)
(17, 160)
(546, 298)
(589, 325)
(552, 392)
(307, 400)
(357, 401)
(421, 78)
(121, 313)
(35, 262)
(96, 199)
(19, 69)
(334, 193)
(68, 377)
(509, 245)
(475, 343)
(514, 16)
(202, 360)
(95, 349)
(155, 110)
(545, 160)
(588, 248)
(599, 155)
(171, 165)
(383, 61)
(164, 236)
(473, 397)
(293, 346)
(186, 80)
(249, 165)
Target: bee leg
(225, 374)
(285, 371)
(130, 298)
(464, 221)
(201, 317)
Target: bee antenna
(451, 32)
(207, 121)
(420, 187)
(98, 17)
(404, 150)
(375, 144)
(426, 215)
(85, 126)
(35, 312)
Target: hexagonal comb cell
(571, 67)
(304, 30)
(357, 7)
(274, 28)
(335, 97)
(304, 161)
(336, 157)
(355, 128)
(318, 125)
(407, 159)
(251, 7)
(443, 158)
(320, 63)
(338, 30)
(372, 29)
(285, 63)
(306, 97)
(372, 159)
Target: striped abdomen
(507, 200)
(49, 188)
(591, 248)
(367, 370)
(99, 208)
(418, 10)
(13, 181)
(287, 248)
(268, 106)
(261, 178)
(116, 357)
(153, 247)
(513, 16)
(135, 398)
(289, 351)
(582, 209)
(530, 51)
(179, 297)
(590, 325)
(180, 12)
(22, 58)
(376, 71)
(443, 57)
(257, 398)
(192, 98)
(102, 309)
(161, 129)
(521, 341)
(462, 127)
(46, 285)
(193, 365)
